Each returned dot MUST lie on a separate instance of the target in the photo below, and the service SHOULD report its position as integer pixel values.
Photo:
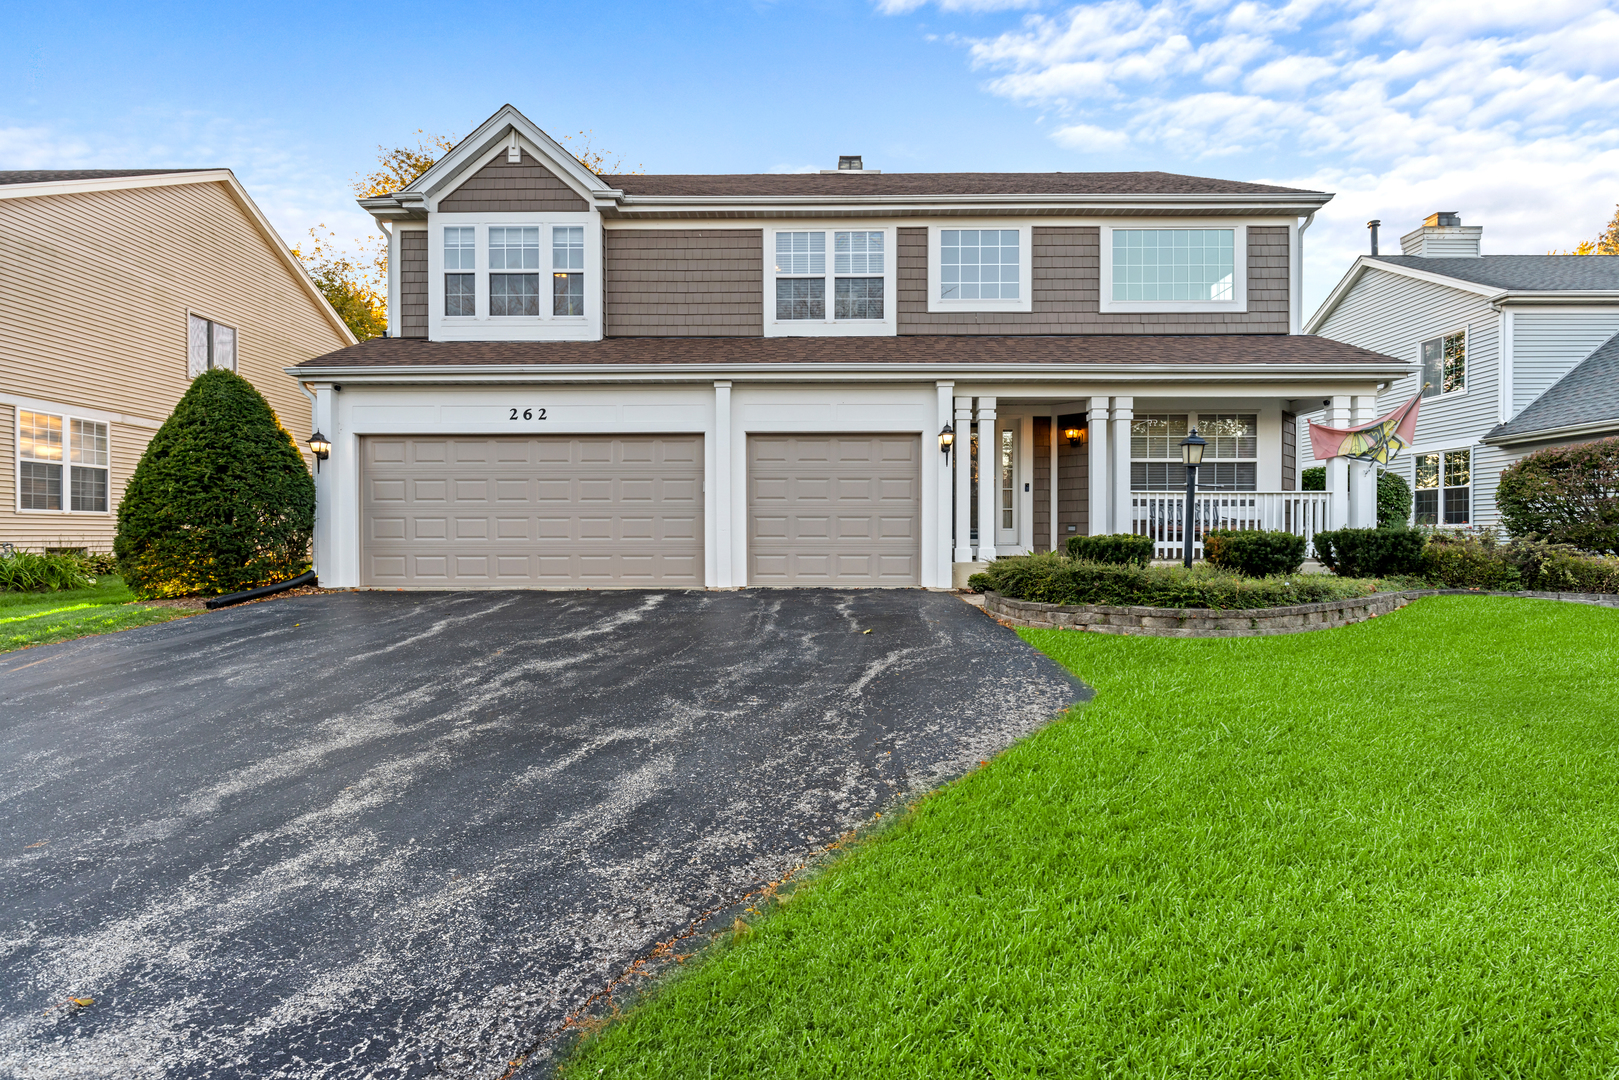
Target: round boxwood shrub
(1120, 549)
(1254, 552)
(221, 500)
(1565, 495)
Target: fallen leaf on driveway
(82, 1002)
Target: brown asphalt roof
(789, 185)
(46, 176)
(1209, 349)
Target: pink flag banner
(1379, 441)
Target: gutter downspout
(313, 426)
(1298, 274)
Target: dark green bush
(98, 563)
(1054, 579)
(1116, 548)
(1468, 563)
(1393, 500)
(221, 500)
(1313, 479)
(1356, 553)
(28, 571)
(1561, 568)
(1564, 495)
(1254, 552)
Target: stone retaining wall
(1258, 622)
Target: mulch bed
(196, 603)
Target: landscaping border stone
(1255, 622)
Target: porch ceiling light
(320, 447)
(1074, 435)
(947, 438)
(1192, 449)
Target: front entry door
(1007, 482)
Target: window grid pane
(460, 248)
(1458, 468)
(514, 294)
(858, 298)
(514, 248)
(1229, 435)
(568, 247)
(89, 489)
(800, 298)
(460, 294)
(39, 436)
(801, 253)
(89, 442)
(978, 264)
(1158, 435)
(1211, 476)
(567, 294)
(1174, 264)
(41, 487)
(1455, 377)
(1008, 476)
(857, 253)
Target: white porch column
(1123, 413)
(962, 458)
(1096, 443)
(941, 516)
(987, 472)
(320, 419)
(721, 491)
(1337, 415)
(1363, 474)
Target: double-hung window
(857, 267)
(567, 270)
(857, 271)
(514, 248)
(48, 444)
(1179, 269)
(1230, 460)
(1444, 489)
(209, 345)
(1444, 364)
(800, 275)
(460, 266)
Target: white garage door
(555, 510)
(834, 509)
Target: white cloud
(1089, 137)
(905, 7)
(40, 148)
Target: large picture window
(1174, 264)
(1444, 364)
(62, 463)
(979, 264)
(1230, 460)
(1444, 488)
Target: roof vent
(1443, 236)
(850, 163)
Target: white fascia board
(490, 134)
(1114, 205)
(1366, 262)
(1547, 434)
(1560, 298)
(113, 183)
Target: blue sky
(1504, 110)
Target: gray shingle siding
(413, 283)
(1066, 290)
(1589, 394)
(684, 282)
(505, 188)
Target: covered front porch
(1029, 474)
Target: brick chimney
(1443, 236)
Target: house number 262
(529, 414)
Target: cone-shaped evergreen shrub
(221, 500)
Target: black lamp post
(1191, 457)
(320, 447)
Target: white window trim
(1194, 422)
(483, 322)
(233, 328)
(1472, 482)
(887, 326)
(68, 415)
(439, 282)
(1466, 331)
(1025, 300)
(1239, 272)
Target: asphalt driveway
(405, 834)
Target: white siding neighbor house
(844, 378)
(1518, 352)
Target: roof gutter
(1544, 297)
(1517, 438)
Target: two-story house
(851, 377)
(1517, 352)
(119, 287)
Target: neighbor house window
(567, 270)
(800, 275)
(979, 264)
(855, 254)
(1185, 265)
(1230, 460)
(209, 345)
(514, 248)
(1444, 364)
(47, 445)
(460, 260)
(1444, 490)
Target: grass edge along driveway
(40, 618)
(1383, 849)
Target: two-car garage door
(459, 512)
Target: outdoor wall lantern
(320, 447)
(1191, 457)
(947, 438)
(1074, 435)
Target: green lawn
(34, 618)
(1390, 849)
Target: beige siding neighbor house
(119, 288)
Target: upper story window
(460, 266)
(849, 266)
(567, 270)
(514, 248)
(1230, 461)
(209, 345)
(507, 283)
(1444, 364)
(1174, 269)
(46, 445)
(979, 264)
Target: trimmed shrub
(99, 562)
(1564, 495)
(1313, 479)
(1356, 553)
(1469, 562)
(1393, 500)
(221, 500)
(1118, 549)
(1054, 579)
(28, 571)
(1254, 552)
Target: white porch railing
(1161, 515)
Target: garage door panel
(834, 510)
(543, 510)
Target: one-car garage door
(553, 510)
(834, 509)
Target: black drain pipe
(263, 590)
